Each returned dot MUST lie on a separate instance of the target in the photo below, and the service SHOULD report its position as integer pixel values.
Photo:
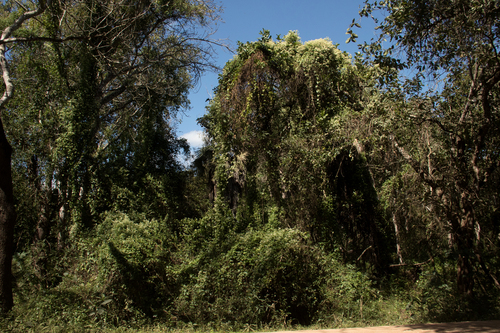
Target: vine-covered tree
(444, 122)
(281, 147)
(113, 72)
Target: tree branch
(6, 34)
(112, 95)
(369, 247)
(484, 129)
(414, 265)
(414, 164)
(39, 39)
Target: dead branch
(413, 265)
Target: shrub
(347, 293)
(135, 263)
(262, 277)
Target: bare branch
(369, 247)
(39, 39)
(414, 164)
(413, 265)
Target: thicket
(331, 191)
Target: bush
(438, 300)
(76, 301)
(347, 293)
(135, 265)
(263, 277)
(119, 274)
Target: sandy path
(462, 327)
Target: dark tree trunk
(466, 246)
(461, 217)
(7, 222)
(41, 248)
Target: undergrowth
(136, 275)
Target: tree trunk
(61, 224)
(466, 260)
(398, 238)
(7, 222)
(7, 211)
(40, 249)
(462, 223)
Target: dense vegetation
(332, 190)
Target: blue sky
(244, 19)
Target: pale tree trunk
(61, 223)
(398, 238)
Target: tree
(116, 58)
(282, 156)
(448, 134)
(7, 211)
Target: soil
(492, 326)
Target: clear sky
(244, 19)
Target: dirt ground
(462, 327)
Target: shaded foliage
(447, 133)
(276, 129)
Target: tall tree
(7, 211)
(277, 130)
(115, 58)
(449, 133)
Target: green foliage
(280, 125)
(83, 298)
(442, 125)
(435, 297)
(338, 194)
(134, 262)
(261, 277)
(120, 274)
(347, 293)
(95, 135)
(134, 272)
